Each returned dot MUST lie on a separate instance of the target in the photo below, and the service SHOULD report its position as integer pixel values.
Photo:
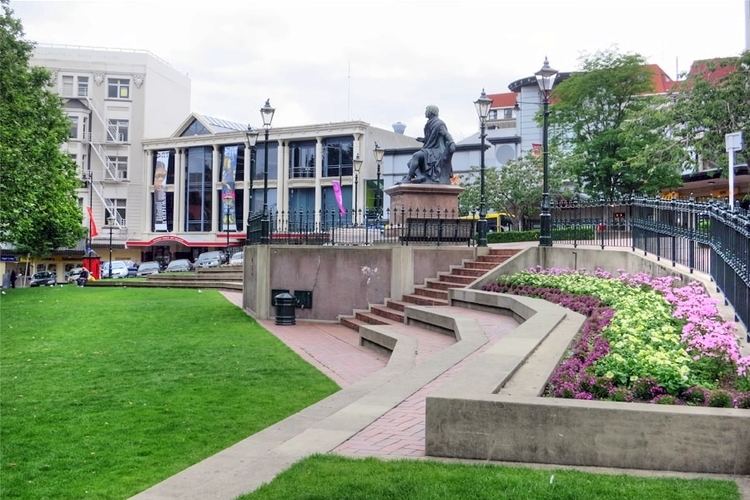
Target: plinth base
(423, 201)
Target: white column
(215, 206)
(148, 182)
(248, 189)
(177, 197)
(282, 173)
(318, 178)
(356, 151)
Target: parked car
(147, 268)
(237, 259)
(132, 268)
(119, 269)
(179, 266)
(210, 259)
(73, 275)
(43, 278)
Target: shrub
(720, 399)
(647, 389)
(621, 394)
(694, 396)
(743, 400)
(665, 399)
(582, 233)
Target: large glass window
(337, 156)
(83, 86)
(195, 128)
(257, 202)
(329, 200)
(239, 216)
(239, 173)
(302, 159)
(198, 189)
(273, 160)
(118, 88)
(73, 132)
(302, 200)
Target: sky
(383, 61)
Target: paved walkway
(401, 431)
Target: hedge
(581, 233)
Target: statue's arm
(449, 140)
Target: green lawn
(326, 476)
(106, 391)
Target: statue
(432, 163)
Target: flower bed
(644, 339)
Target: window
(118, 167)
(119, 210)
(73, 132)
(508, 114)
(118, 88)
(198, 189)
(493, 114)
(117, 131)
(83, 86)
(195, 128)
(337, 156)
(303, 159)
(67, 85)
(273, 160)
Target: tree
(605, 132)
(38, 205)
(711, 103)
(515, 188)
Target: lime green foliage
(106, 391)
(335, 477)
(38, 206)
(643, 335)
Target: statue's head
(431, 111)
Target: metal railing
(361, 227)
(709, 237)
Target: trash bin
(285, 309)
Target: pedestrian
(83, 277)
(13, 278)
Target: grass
(106, 391)
(328, 476)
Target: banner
(93, 231)
(228, 209)
(339, 197)
(161, 172)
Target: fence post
(692, 226)
(630, 223)
(602, 224)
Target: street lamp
(251, 138)
(379, 154)
(483, 110)
(545, 77)
(88, 178)
(111, 223)
(266, 112)
(357, 167)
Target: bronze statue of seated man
(432, 163)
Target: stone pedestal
(417, 200)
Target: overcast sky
(381, 61)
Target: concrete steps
(433, 293)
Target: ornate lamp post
(88, 178)
(111, 223)
(251, 138)
(267, 113)
(545, 77)
(483, 110)
(357, 167)
(379, 154)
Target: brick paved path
(401, 431)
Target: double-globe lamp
(483, 111)
(266, 112)
(545, 77)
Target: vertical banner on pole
(339, 197)
(733, 143)
(228, 170)
(161, 172)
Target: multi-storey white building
(114, 98)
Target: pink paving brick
(405, 422)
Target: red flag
(92, 223)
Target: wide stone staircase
(433, 293)
(225, 277)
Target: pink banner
(339, 197)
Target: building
(114, 98)
(190, 167)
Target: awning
(169, 238)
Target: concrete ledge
(492, 410)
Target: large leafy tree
(515, 188)
(38, 206)
(710, 103)
(605, 131)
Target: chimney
(399, 128)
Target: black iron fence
(405, 226)
(709, 237)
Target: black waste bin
(285, 309)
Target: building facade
(114, 98)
